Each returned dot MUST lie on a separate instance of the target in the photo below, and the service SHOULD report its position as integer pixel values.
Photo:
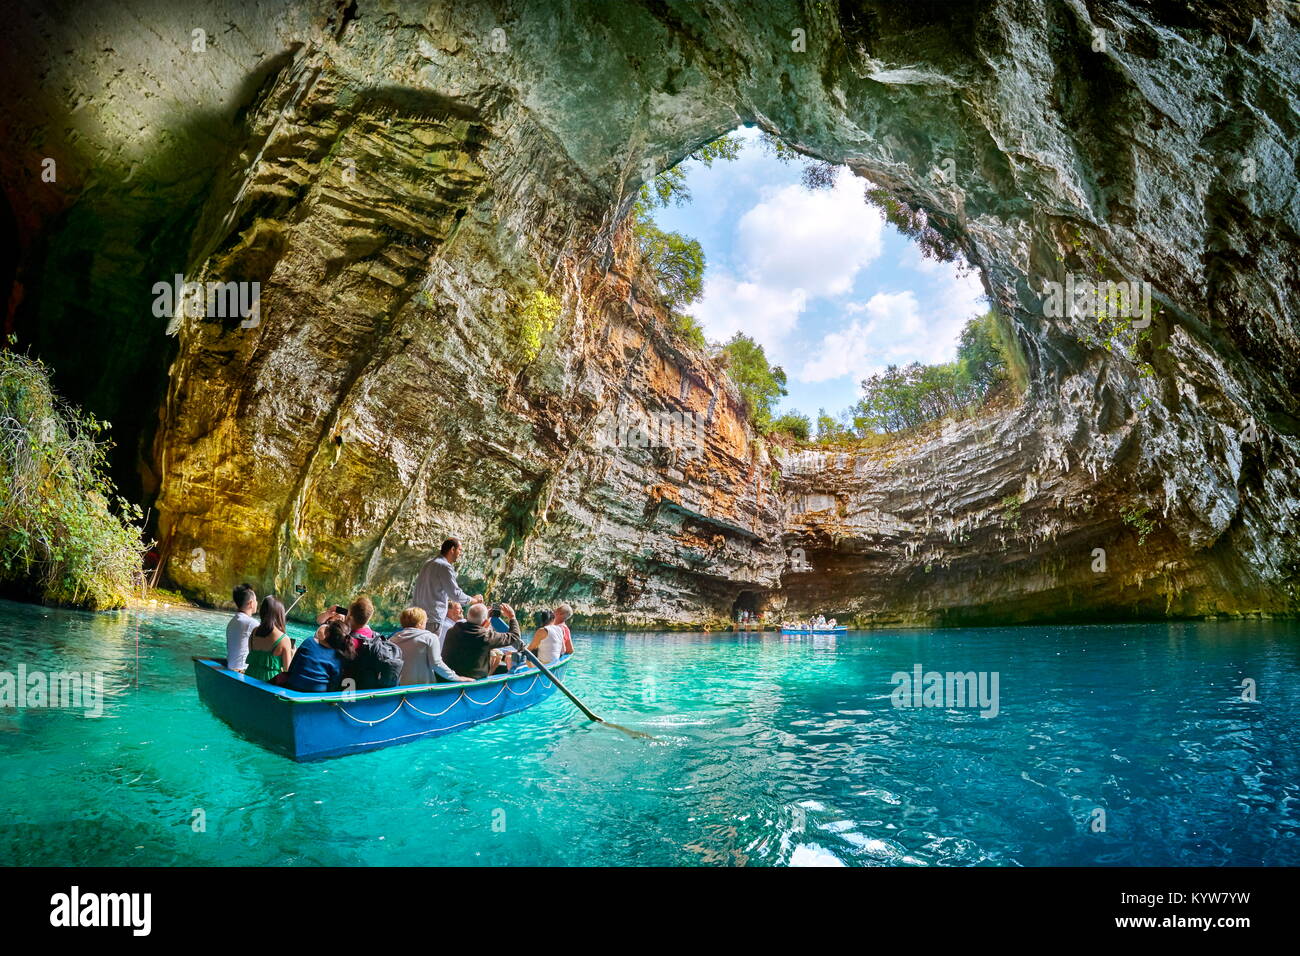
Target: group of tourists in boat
(814, 625)
(445, 636)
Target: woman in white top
(551, 640)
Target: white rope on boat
(459, 695)
(372, 744)
(530, 687)
(505, 686)
(485, 702)
(546, 681)
(369, 723)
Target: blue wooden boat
(316, 726)
(842, 629)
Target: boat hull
(815, 632)
(319, 726)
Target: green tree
(830, 430)
(677, 263)
(901, 398)
(65, 535)
(760, 384)
(979, 353)
(794, 424)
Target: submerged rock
(453, 336)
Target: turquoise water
(770, 751)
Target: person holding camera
(473, 648)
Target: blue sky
(818, 278)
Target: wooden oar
(519, 645)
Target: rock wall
(412, 186)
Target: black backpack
(378, 664)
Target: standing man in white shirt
(436, 585)
(240, 626)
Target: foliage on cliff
(902, 398)
(61, 539)
(536, 318)
(795, 424)
(989, 362)
(676, 261)
(761, 384)
(913, 222)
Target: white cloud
(815, 240)
(865, 345)
(893, 329)
(793, 246)
(766, 315)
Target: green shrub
(60, 540)
(1136, 518)
(685, 325)
(794, 424)
(537, 317)
(1011, 511)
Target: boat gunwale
(338, 697)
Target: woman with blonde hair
(422, 661)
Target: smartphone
(340, 609)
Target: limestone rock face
(454, 336)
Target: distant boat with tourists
(803, 629)
(314, 726)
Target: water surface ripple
(769, 751)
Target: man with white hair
(552, 641)
(469, 645)
(454, 617)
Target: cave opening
(746, 607)
(843, 311)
